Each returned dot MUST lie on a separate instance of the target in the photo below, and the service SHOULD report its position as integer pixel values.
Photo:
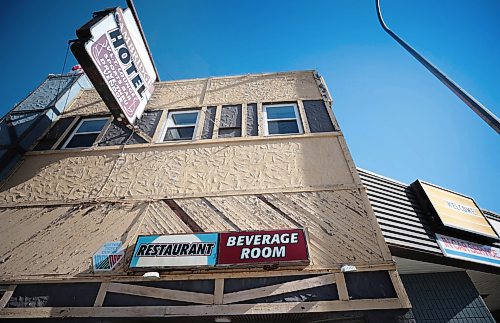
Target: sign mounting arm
(468, 99)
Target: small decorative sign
(469, 251)
(108, 256)
(263, 247)
(180, 250)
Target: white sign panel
(119, 64)
(469, 251)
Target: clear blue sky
(398, 120)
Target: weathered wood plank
(101, 294)
(202, 310)
(277, 289)
(7, 295)
(161, 293)
(219, 291)
(341, 287)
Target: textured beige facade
(181, 170)
(276, 87)
(75, 200)
(338, 226)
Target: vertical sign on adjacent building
(260, 247)
(180, 250)
(112, 53)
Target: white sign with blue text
(469, 251)
(181, 250)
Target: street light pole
(475, 105)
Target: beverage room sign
(112, 53)
(261, 247)
(247, 248)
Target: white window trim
(73, 133)
(297, 119)
(169, 123)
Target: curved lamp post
(477, 107)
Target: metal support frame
(468, 99)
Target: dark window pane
(229, 132)
(92, 125)
(280, 112)
(79, 141)
(184, 118)
(282, 127)
(185, 133)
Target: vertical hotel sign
(112, 53)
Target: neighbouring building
(234, 199)
(450, 272)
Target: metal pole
(130, 4)
(477, 107)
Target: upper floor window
(86, 133)
(181, 125)
(281, 119)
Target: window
(282, 119)
(181, 125)
(85, 133)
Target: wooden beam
(244, 112)
(400, 290)
(7, 295)
(161, 293)
(203, 310)
(218, 112)
(219, 291)
(277, 289)
(341, 287)
(303, 117)
(101, 294)
(201, 123)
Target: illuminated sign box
(283, 247)
(112, 53)
(453, 210)
(469, 251)
(174, 251)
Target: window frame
(297, 119)
(79, 124)
(169, 119)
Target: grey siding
(399, 215)
(252, 120)
(445, 297)
(402, 220)
(208, 126)
(54, 133)
(230, 121)
(317, 116)
(118, 134)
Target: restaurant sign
(112, 53)
(179, 250)
(246, 248)
(469, 251)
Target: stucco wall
(274, 87)
(181, 170)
